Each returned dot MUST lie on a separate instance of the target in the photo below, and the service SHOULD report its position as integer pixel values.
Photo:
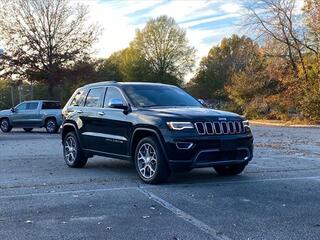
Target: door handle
(101, 113)
(79, 111)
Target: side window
(78, 99)
(51, 105)
(94, 97)
(112, 93)
(32, 106)
(21, 106)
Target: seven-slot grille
(217, 128)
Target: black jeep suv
(159, 127)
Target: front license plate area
(228, 145)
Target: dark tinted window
(51, 105)
(32, 106)
(78, 99)
(157, 95)
(21, 106)
(94, 97)
(112, 93)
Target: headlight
(179, 125)
(246, 123)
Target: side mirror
(117, 103)
(201, 101)
(12, 110)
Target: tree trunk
(50, 91)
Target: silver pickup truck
(32, 114)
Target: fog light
(184, 145)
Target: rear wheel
(51, 126)
(73, 154)
(230, 170)
(5, 125)
(150, 162)
(27, 129)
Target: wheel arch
(6, 117)
(49, 117)
(142, 132)
(70, 127)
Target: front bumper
(210, 151)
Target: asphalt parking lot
(277, 197)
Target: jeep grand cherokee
(160, 128)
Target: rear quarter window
(51, 105)
(95, 97)
(78, 99)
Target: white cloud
(120, 19)
(182, 10)
(231, 7)
(207, 20)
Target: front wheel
(5, 125)
(230, 170)
(51, 126)
(150, 163)
(73, 154)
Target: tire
(150, 162)
(51, 126)
(5, 125)
(230, 170)
(72, 152)
(27, 129)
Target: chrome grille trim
(209, 128)
(238, 127)
(233, 127)
(218, 128)
(225, 127)
(215, 124)
(197, 125)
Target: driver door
(18, 114)
(26, 115)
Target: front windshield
(159, 96)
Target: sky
(206, 21)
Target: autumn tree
(43, 37)
(312, 21)
(109, 69)
(135, 68)
(163, 45)
(233, 54)
(276, 20)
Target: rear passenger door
(33, 113)
(91, 120)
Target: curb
(284, 125)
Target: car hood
(197, 113)
(5, 112)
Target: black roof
(122, 83)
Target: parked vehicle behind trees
(32, 114)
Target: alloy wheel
(147, 160)
(70, 149)
(51, 126)
(4, 125)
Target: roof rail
(101, 83)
